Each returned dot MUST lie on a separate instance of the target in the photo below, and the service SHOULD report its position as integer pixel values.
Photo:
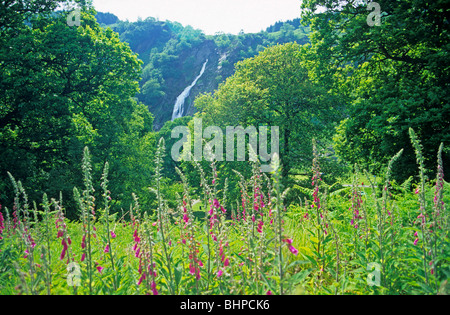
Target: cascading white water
(178, 109)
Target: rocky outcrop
(192, 59)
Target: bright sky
(211, 16)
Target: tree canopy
(274, 89)
(395, 75)
(65, 88)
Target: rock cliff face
(214, 73)
(174, 55)
(194, 60)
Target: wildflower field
(370, 238)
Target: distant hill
(174, 54)
(106, 18)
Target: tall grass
(354, 240)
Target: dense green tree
(166, 133)
(274, 89)
(14, 13)
(65, 88)
(395, 75)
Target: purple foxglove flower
(293, 250)
(191, 269)
(142, 278)
(63, 254)
(153, 286)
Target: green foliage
(173, 54)
(224, 227)
(361, 242)
(394, 76)
(70, 97)
(274, 89)
(106, 18)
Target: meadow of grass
(356, 240)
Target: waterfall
(178, 109)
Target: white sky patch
(211, 16)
